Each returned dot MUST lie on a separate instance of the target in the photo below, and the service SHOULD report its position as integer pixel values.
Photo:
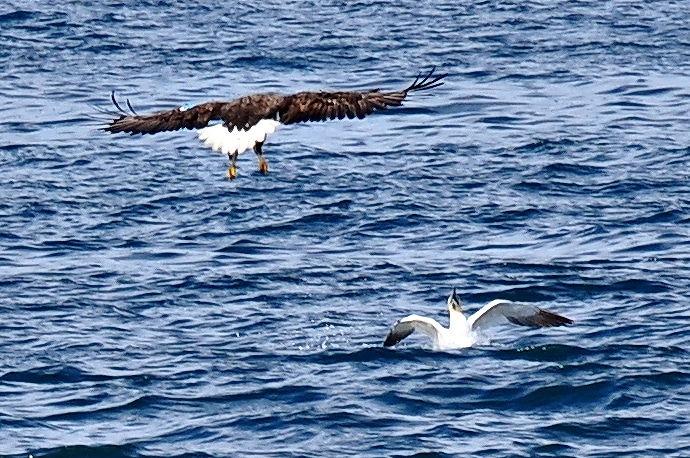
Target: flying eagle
(246, 122)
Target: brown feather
(242, 113)
(321, 106)
(245, 112)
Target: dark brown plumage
(246, 111)
(248, 120)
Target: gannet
(462, 331)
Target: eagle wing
(245, 112)
(242, 113)
(322, 106)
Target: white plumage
(246, 121)
(462, 332)
(219, 138)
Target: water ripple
(151, 307)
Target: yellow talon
(263, 166)
(232, 172)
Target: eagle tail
(219, 138)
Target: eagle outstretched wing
(245, 112)
(322, 106)
(242, 113)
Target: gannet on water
(462, 332)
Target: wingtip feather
(395, 337)
(542, 319)
(421, 84)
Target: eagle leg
(232, 171)
(263, 164)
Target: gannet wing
(500, 311)
(409, 324)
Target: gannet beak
(454, 302)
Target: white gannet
(462, 331)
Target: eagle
(235, 126)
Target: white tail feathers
(219, 138)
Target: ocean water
(149, 307)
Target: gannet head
(454, 303)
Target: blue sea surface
(149, 307)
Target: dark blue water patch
(643, 390)
(105, 451)
(500, 122)
(661, 215)
(565, 170)
(555, 449)
(622, 89)
(381, 227)
(563, 397)
(634, 285)
(128, 244)
(545, 145)
(519, 294)
(243, 246)
(9, 237)
(599, 428)
(52, 375)
(565, 355)
(194, 283)
(647, 248)
(269, 62)
(426, 454)
(315, 222)
(18, 16)
(625, 104)
(513, 217)
(627, 186)
(92, 407)
(289, 393)
(653, 92)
